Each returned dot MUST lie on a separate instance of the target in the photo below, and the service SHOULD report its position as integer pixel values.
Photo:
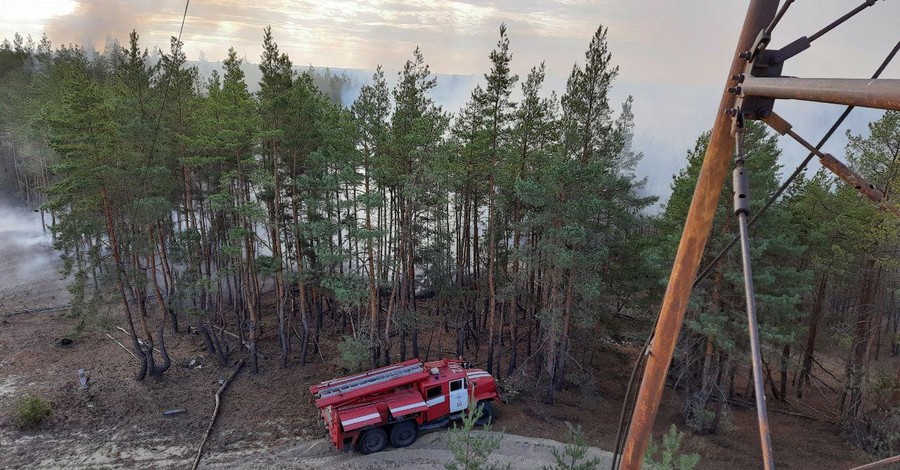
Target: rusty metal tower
(754, 83)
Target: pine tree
(533, 141)
(574, 456)
(227, 129)
(471, 450)
(417, 129)
(498, 114)
(137, 98)
(717, 322)
(98, 135)
(274, 106)
(589, 202)
(876, 157)
(370, 113)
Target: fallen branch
(215, 414)
(880, 463)
(140, 341)
(223, 330)
(122, 346)
(831, 418)
(824, 369)
(791, 413)
(819, 389)
(35, 310)
(752, 405)
(246, 344)
(814, 376)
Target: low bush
(575, 455)
(666, 454)
(29, 411)
(878, 433)
(355, 353)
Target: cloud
(362, 34)
(690, 41)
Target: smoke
(93, 21)
(26, 250)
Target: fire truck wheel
(372, 440)
(487, 413)
(404, 433)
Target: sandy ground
(428, 452)
(104, 449)
(268, 420)
(117, 423)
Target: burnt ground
(269, 421)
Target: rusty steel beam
(879, 464)
(880, 93)
(760, 14)
(842, 171)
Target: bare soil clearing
(268, 421)
(119, 423)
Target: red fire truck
(396, 402)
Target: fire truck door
(459, 396)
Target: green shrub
(574, 456)
(669, 458)
(29, 411)
(355, 353)
(878, 433)
(471, 449)
(699, 419)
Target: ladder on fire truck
(377, 376)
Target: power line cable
(162, 107)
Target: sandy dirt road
(118, 449)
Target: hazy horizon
(673, 56)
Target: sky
(673, 56)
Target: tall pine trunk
(814, 320)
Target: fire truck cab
(394, 403)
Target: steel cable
(841, 20)
(628, 403)
(834, 127)
(781, 12)
(741, 186)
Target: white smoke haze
(29, 266)
(672, 55)
(92, 21)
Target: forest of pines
(515, 226)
